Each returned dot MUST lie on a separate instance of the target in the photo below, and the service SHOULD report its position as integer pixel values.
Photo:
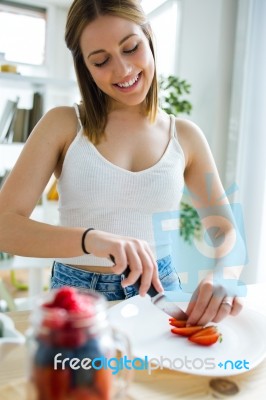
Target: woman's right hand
(127, 251)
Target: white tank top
(95, 193)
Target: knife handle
(151, 292)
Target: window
(247, 132)
(149, 6)
(164, 16)
(22, 33)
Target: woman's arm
(210, 301)
(42, 155)
(24, 186)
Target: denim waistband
(109, 284)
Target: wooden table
(161, 385)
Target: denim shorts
(109, 285)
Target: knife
(160, 300)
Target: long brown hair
(94, 105)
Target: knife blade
(159, 300)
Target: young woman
(119, 160)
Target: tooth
(128, 84)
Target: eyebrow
(120, 43)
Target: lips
(128, 84)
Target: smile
(129, 83)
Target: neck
(115, 106)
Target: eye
(135, 48)
(102, 63)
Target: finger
(157, 284)
(215, 302)
(205, 293)
(135, 267)
(155, 274)
(150, 274)
(224, 309)
(229, 306)
(192, 301)
(238, 304)
(213, 308)
(120, 260)
(147, 274)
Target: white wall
(248, 129)
(165, 22)
(59, 63)
(222, 53)
(206, 53)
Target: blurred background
(217, 46)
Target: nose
(122, 67)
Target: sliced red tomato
(208, 330)
(177, 323)
(205, 340)
(186, 331)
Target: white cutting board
(243, 346)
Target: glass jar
(73, 351)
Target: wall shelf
(35, 80)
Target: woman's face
(118, 56)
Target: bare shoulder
(191, 138)
(56, 130)
(62, 111)
(61, 120)
(188, 130)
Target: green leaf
(171, 95)
(190, 224)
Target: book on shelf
(37, 110)
(7, 120)
(19, 122)
(21, 125)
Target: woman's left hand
(212, 301)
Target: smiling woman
(119, 60)
(121, 162)
(128, 28)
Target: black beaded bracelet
(83, 240)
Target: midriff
(93, 268)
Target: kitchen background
(218, 46)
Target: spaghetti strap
(77, 113)
(172, 126)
